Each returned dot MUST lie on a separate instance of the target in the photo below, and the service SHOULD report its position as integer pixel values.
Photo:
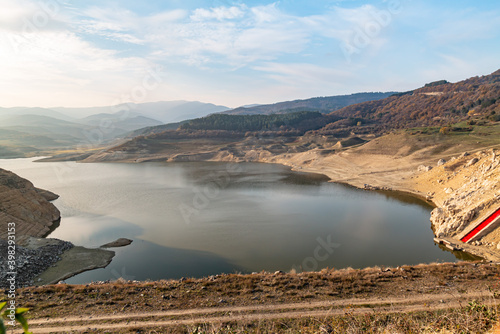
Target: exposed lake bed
(200, 219)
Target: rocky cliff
(25, 205)
(465, 189)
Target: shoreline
(383, 178)
(405, 189)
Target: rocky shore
(32, 259)
(465, 190)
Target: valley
(439, 143)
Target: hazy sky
(88, 53)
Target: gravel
(30, 262)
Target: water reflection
(143, 260)
(463, 256)
(246, 217)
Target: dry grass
(451, 279)
(471, 318)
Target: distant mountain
(321, 104)
(25, 135)
(251, 105)
(176, 112)
(29, 135)
(437, 104)
(128, 122)
(59, 131)
(164, 111)
(156, 129)
(35, 120)
(17, 111)
(439, 109)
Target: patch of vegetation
(303, 120)
(435, 105)
(436, 83)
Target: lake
(200, 219)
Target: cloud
(303, 80)
(56, 66)
(26, 16)
(235, 36)
(219, 13)
(93, 52)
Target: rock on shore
(117, 243)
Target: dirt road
(255, 313)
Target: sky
(233, 53)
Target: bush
(444, 130)
(494, 118)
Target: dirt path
(254, 313)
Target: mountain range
(437, 109)
(32, 131)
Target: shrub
(444, 130)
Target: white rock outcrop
(478, 181)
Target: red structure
(481, 226)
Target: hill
(129, 122)
(30, 135)
(433, 105)
(318, 104)
(438, 104)
(301, 121)
(163, 111)
(18, 111)
(446, 107)
(321, 104)
(28, 207)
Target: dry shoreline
(363, 167)
(428, 187)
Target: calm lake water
(199, 219)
